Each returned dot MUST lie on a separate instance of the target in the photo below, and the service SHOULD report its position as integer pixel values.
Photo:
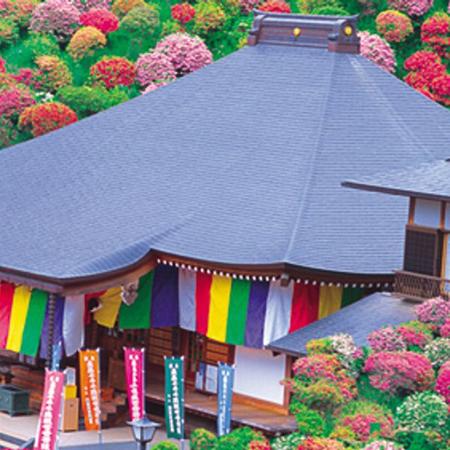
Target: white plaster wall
(427, 213)
(258, 374)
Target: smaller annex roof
(429, 180)
(359, 320)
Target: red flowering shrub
(399, 371)
(394, 25)
(154, 68)
(41, 119)
(2, 65)
(13, 100)
(112, 72)
(314, 443)
(85, 41)
(102, 19)
(413, 336)
(440, 87)
(259, 445)
(411, 7)
(443, 382)
(435, 32)
(376, 49)
(28, 77)
(276, 6)
(183, 13)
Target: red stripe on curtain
(203, 299)
(6, 300)
(305, 305)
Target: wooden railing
(420, 287)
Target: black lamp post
(143, 431)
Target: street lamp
(143, 431)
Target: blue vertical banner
(174, 397)
(225, 381)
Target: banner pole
(100, 431)
(144, 385)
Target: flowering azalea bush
(445, 329)
(438, 352)
(202, 439)
(53, 73)
(122, 7)
(87, 5)
(248, 6)
(259, 445)
(287, 441)
(85, 41)
(182, 13)
(18, 10)
(399, 371)
(276, 6)
(386, 339)
(41, 119)
(411, 7)
(154, 68)
(209, 16)
(376, 49)
(394, 26)
(435, 311)
(443, 382)
(13, 100)
(142, 21)
(313, 443)
(383, 445)
(186, 53)
(58, 17)
(102, 19)
(112, 72)
(435, 32)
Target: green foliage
(330, 11)
(287, 442)
(238, 439)
(165, 445)
(42, 44)
(141, 21)
(202, 439)
(9, 32)
(309, 422)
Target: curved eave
(393, 191)
(106, 280)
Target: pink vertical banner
(49, 416)
(134, 373)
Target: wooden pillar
(51, 329)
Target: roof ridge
(313, 159)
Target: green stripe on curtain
(351, 295)
(137, 315)
(34, 323)
(237, 312)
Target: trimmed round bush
(187, 53)
(445, 329)
(19, 11)
(436, 310)
(13, 100)
(42, 119)
(202, 439)
(154, 67)
(42, 44)
(53, 73)
(182, 13)
(422, 411)
(287, 441)
(102, 19)
(85, 41)
(9, 32)
(58, 17)
(122, 7)
(386, 339)
(87, 5)
(377, 50)
(209, 16)
(275, 6)
(394, 25)
(395, 372)
(411, 7)
(317, 443)
(142, 21)
(112, 72)
(383, 445)
(438, 351)
(330, 11)
(165, 445)
(435, 32)
(443, 382)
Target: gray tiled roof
(358, 319)
(240, 162)
(428, 180)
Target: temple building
(207, 218)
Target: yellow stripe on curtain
(218, 308)
(330, 300)
(107, 314)
(19, 311)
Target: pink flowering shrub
(316, 443)
(386, 340)
(59, 17)
(2, 65)
(435, 32)
(87, 5)
(154, 67)
(394, 25)
(153, 86)
(383, 445)
(276, 6)
(411, 7)
(376, 49)
(394, 372)
(413, 336)
(13, 100)
(443, 382)
(28, 77)
(102, 19)
(445, 329)
(434, 311)
(187, 53)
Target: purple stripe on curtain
(164, 309)
(58, 333)
(257, 304)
